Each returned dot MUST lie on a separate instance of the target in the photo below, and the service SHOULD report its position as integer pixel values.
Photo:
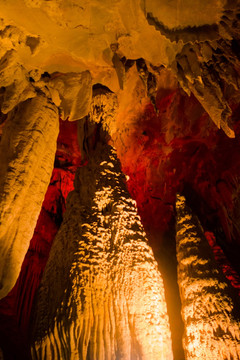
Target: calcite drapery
(27, 152)
(101, 295)
(208, 303)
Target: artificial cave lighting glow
(24, 177)
(208, 309)
(109, 294)
(158, 81)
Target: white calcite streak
(101, 296)
(209, 306)
(27, 152)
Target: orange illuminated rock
(27, 152)
(101, 296)
(209, 305)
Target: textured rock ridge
(102, 295)
(209, 307)
(27, 152)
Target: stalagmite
(209, 307)
(101, 295)
(27, 152)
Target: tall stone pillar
(210, 309)
(101, 296)
(27, 152)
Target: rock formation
(101, 295)
(27, 152)
(33, 103)
(209, 307)
(162, 79)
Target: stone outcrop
(101, 295)
(27, 152)
(209, 305)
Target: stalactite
(102, 295)
(27, 151)
(201, 69)
(208, 63)
(209, 305)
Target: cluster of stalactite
(102, 295)
(208, 63)
(209, 304)
(206, 69)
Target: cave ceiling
(166, 75)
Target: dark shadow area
(210, 221)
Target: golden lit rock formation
(27, 152)
(161, 78)
(209, 307)
(101, 295)
(103, 37)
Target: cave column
(27, 152)
(208, 302)
(101, 296)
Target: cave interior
(158, 81)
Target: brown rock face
(27, 152)
(101, 295)
(208, 308)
